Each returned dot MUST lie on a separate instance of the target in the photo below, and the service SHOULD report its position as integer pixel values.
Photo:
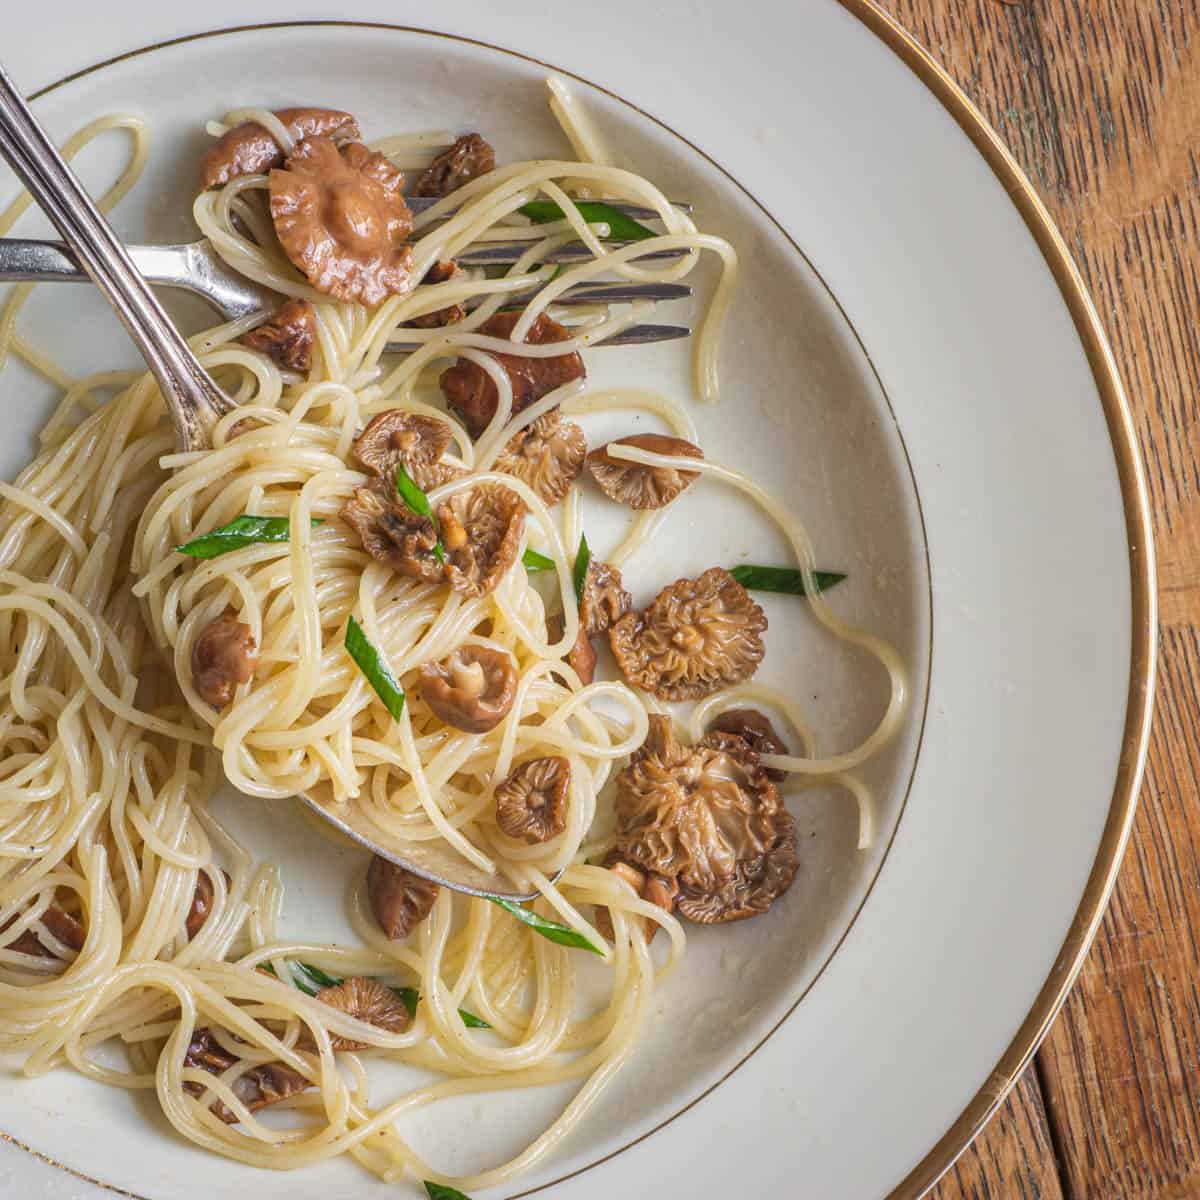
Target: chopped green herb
(410, 493)
(620, 227)
(782, 579)
(370, 662)
(410, 998)
(563, 935)
(321, 978)
(533, 561)
(580, 570)
(438, 1192)
(242, 531)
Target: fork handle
(193, 400)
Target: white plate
(999, 405)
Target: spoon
(194, 403)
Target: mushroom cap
(635, 484)
(399, 899)
(699, 635)
(469, 157)
(258, 1087)
(470, 391)
(61, 924)
(391, 533)
(472, 689)
(341, 218)
(415, 441)
(753, 728)
(248, 149)
(224, 655)
(605, 600)
(548, 455)
(288, 337)
(481, 527)
(657, 889)
(202, 899)
(532, 802)
(369, 1001)
(581, 658)
(693, 813)
(440, 272)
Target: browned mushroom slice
(755, 730)
(473, 689)
(341, 218)
(259, 1087)
(369, 1001)
(416, 442)
(481, 530)
(470, 391)
(532, 802)
(547, 455)
(248, 149)
(392, 533)
(225, 654)
(440, 272)
(288, 337)
(699, 635)
(581, 658)
(399, 899)
(60, 924)
(467, 159)
(605, 600)
(657, 889)
(637, 485)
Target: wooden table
(1100, 102)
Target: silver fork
(194, 402)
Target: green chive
(321, 978)
(438, 1192)
(782, 579)
(242, 531)
(533, 561)
(370, 662)
(410, 998)
(621, 228)
(410, 493)
(562, 935)
(580, 570)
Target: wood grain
(1100, 102)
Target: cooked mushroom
(287, 338)
(341, 218)
(481, 530)
(258, 1087)
(635, 484)
(657, 889)
(532, 802)
(473, 689)
(369, 1001)
(202, 899)
(756, 731)
(248, 149)
(548, 455)
(440, 272)
(397, 438)
(709, 820)
(581, 658)
(225, 654)
(467, 159)
(59, 923)
(698, 635)
(392, 533)
(399, 899)
(605, 600)
(470, 391)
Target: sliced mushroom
(532, 802)
(248, 149)
(481, 530)
(605, 600)
(657, 889)
(547, 455)
(60, 924)
(288, 337)
(399, 899)
(699, 635)
(473, 689)
(416, 442)
(470, 391)
(635, 484)
(369, 1001)
(225, 654)
(756, 731)
(440, 272)
(341, 218)
(258, 1087)
(581, 658)
(392, 533)
(202, 899)
(467, 159)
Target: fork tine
(635, 335)
(500, 254)
(601, 293)
(418, 204)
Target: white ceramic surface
(1031, 602)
